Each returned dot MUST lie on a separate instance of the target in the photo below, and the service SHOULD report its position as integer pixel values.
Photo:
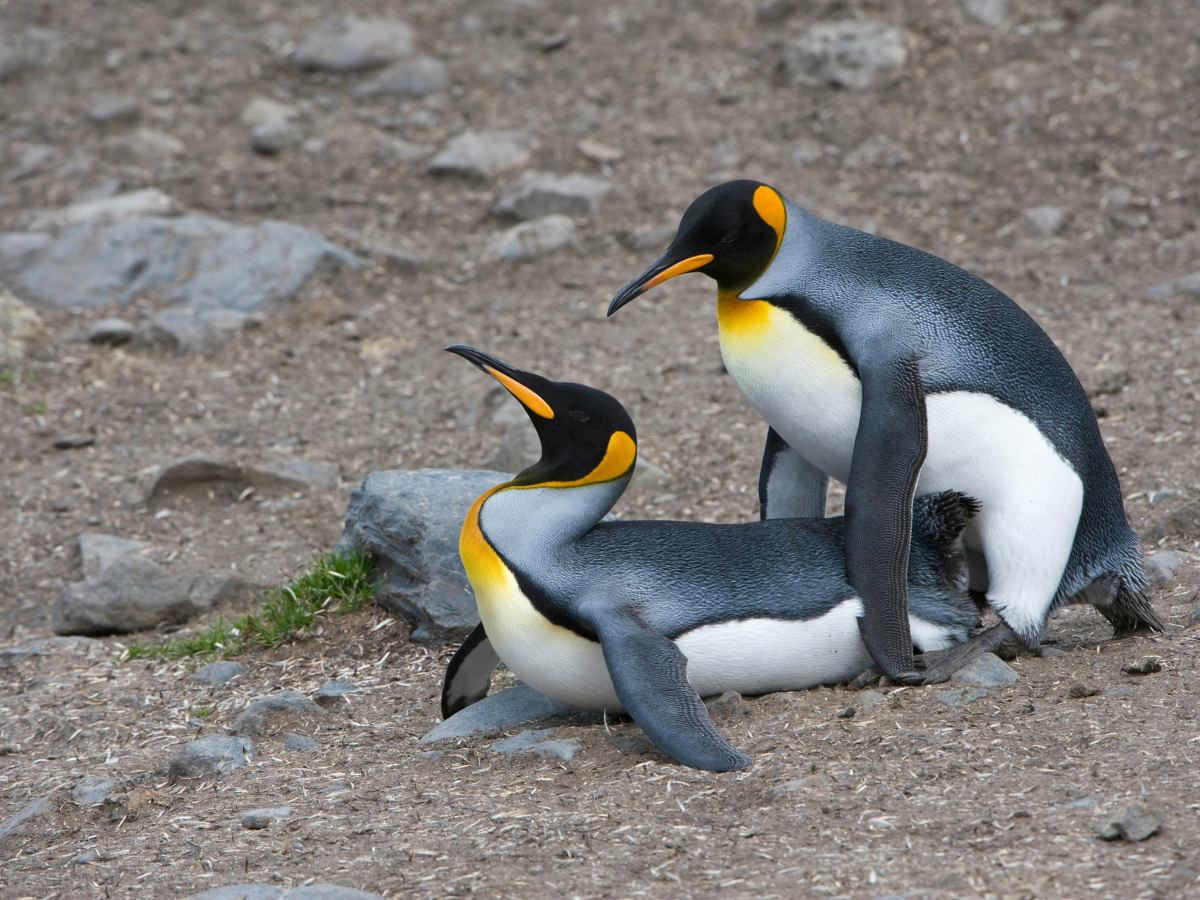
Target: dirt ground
(1088, 108)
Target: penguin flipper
(469, 674)
(650, 676)
(789, 486)
(889, 450)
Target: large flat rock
(409, 522)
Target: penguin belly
(552, 660)
(1030, 496)
(760, 656)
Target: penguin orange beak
(662, 269)
(511, 379)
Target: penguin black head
(730, 233)
(587, 436)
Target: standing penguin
(650, 616)
(900, 374)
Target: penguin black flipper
(469, 674)
(649, 674)
(889, 450)
(789, 486)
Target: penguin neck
(549, 505)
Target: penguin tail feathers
(934, 557)
(1130, 611)
(1121, 592)
(941, 518)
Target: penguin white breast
(759, 656)
(794, 379)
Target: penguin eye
(580, 416)
(730, 236)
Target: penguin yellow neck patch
(769, 206)
(741, 320)
(528, 398)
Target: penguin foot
(938, 666)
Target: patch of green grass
(202, 712)
(37, 408)
(337, 583)
(8, 377)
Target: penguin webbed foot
(938, 666)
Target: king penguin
(900, 374)
(649, 616)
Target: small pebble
(258, 819)
(301, 742)
(1079, 691)
(848, 713)
(73, 441)
(1135, 823)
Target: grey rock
(219, 588)
(72, 440)
(299, 742)
(1049, 220)
(481, 154)
(87, 857)
(848, 713)
(32, 160)
(1081, 691)
(111, 332)
(1081, 803)
(1050, 652)
(495, 713)
(600, 152)
(529, 240)
(99, 551)
(416, 77)
(1186, 286)
(350, 44)
(788, 789)
(266, 713)
(729, 705)
(105, 210)
(538, 194)
(1135, 823)
(212, 755)
(871, 700)
(187, 330)
(221, 672)
(93, 789)
(18, 824)
(241, 892)
(987, 670)
(407, 151)
(956, 699)
(989, 12)
(1161, 566)
(20, 328)
(1159, 496)
(265, 111)
(273, 137)
(877, 150)
(650, 237)
(10, 656)
(257, 819)
(132, 594)
(288, 474)
(409, 522)
(331, 692)
(145, 146)
(768, 12)
(218, 272)
(850, 54)
(19, 53)
(1119, 693)
(539, 743)
(115, 111)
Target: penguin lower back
(901, 374)
(647, 617)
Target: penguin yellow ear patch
(529, 398)
(769, 206)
